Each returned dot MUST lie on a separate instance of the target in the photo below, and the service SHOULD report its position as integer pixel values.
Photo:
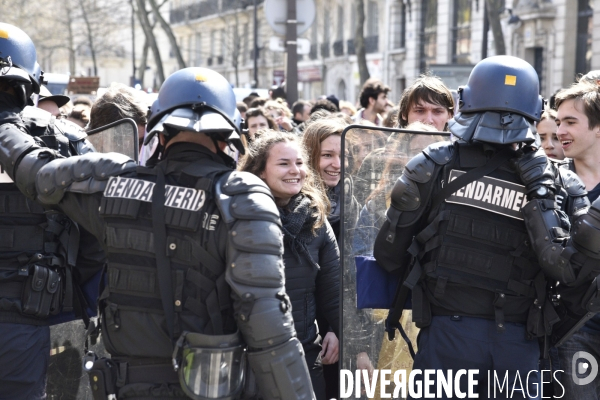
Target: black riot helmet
(499, 103)
(18, 62)
(199, 100)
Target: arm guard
(586, 232)
(84, 174)
(576, 202)
(570, 261)
(409, 198)
(548, 231)
(255, 274)
(537, 174)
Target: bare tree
(494, 9)
(167, 28)
(234, 42)
(70, 36)
(143, 61)
(359, 42)
(90, 35)
(150, 38)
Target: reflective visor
(212, 373)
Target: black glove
(536, 173)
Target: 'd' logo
(580, 367)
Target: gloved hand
(536, 173)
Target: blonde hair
(279, 107)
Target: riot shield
(120, 137)
(373, 159)
(66, 378)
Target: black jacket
(310, 288)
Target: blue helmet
(18, 57)
(502, 83)
(195, 99)
(499, 103)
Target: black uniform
(191, 246)
(475, 277)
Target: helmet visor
(212, 373)
(207, 121)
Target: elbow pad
(14, 144)
(30, 164)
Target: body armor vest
(475, 246)
(38, 249)
(133, 317)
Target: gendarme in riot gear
(40, 247)
(194, 282)
(456, 234)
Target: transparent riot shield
(120, 137)
(373, 159)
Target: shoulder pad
(419, 168)
(572, 183)
(84, 174)
(440, 152)
(35, 117)
(405, 195)
(242, 195)
(243, 182)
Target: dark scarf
(298, 221)
(333, 194)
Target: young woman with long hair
(311, 255)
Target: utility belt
(107, 375)
(206, 367)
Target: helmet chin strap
(229, 161)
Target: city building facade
(403, 38)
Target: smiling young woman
(310, 255)
(323, 138)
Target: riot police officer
(38, 247)
(456, 231)
(195, 274)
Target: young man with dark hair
(427, 100)
(373, 99)
(578, 120)
(118, 102)
(300, 111)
